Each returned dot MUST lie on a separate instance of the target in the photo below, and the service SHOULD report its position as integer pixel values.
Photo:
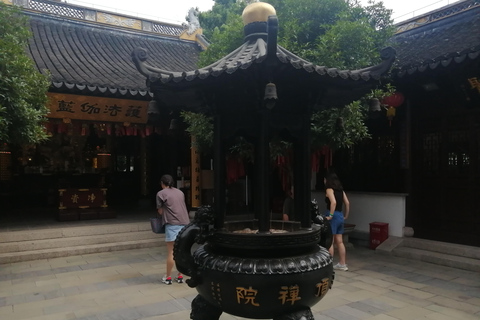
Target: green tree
(22, 88)
(226, 39)
(215, 18)
(335, 33)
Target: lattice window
(56, 8)
(386, 150)
(431, 153)
(458, 152)
(167, 29)
(458, 8)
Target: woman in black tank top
(336, 199)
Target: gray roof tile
(438, 44)
(87, 56)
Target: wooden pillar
(143, 167)
(219, 174)
(302, 171)
(262, 163)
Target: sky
(174, 11)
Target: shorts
(336, 222)
(171, 231)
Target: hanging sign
(96, 108)
(196, 183)
(82, 198)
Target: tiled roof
(433, 46)
(256, 52)
(261, 49)
(88, 57)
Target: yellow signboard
(96, 108)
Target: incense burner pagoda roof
(260, 59)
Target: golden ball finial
(257, 12)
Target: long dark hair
(332, 181)
(167, 180)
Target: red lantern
(395, 100)
(391, 102)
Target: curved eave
(100, 90)
(252, 52)
(439, 63)
(366, 74)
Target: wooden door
(446, 181)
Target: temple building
(420, 169)
(101, 137)
(426, 155)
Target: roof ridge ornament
(255, 17)
(140, 56)
(388, 56)
(272, 34)
(193, 22)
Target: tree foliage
(339, 127)
(22, 88)
(335, 33)
(201, 127)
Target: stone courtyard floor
(126, 285)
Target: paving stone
(379, 303)
(54, 294)
(159, 308)
(341, 315)
(126, 286)
(409, 313)
(34, 297)
(365, 307)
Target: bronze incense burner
(260, 92)
(277, 275)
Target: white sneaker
(339, 266)
(167, 280)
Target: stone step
(11, 257)
(442, 247)
(439, 258)
(72, 241)
(67, 240)
(65, 232)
